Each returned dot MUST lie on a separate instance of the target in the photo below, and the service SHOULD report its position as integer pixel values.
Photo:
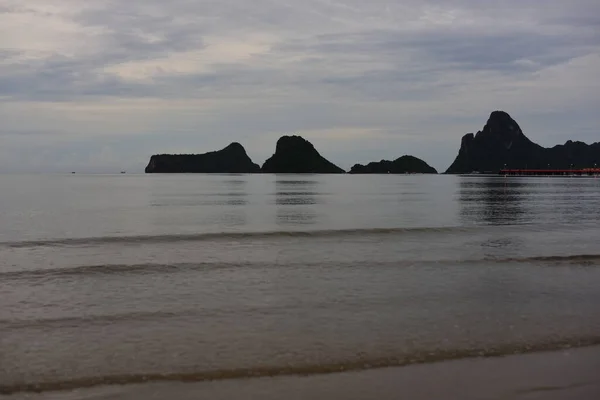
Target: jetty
(551, 172)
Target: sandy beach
(572, 374)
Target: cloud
(420, 73)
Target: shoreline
(569, 373)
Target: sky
(100, 85)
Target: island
(502, 145)
(402, 165)
(231, 159)
(294, 154)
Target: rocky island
(402, 165)
(231, 159)
(296, 155)
(501, 144)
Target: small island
(402, 165)
(231, 159)
(296, 155)
(502, 145)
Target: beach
(567, 374)
(250, 286)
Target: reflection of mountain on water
(216, 200)
(295, 200)
(234, 198)
(491, 200)
(236, 194)
(230, 192)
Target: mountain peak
(235, 146)
(294, 154)
(502, 144)
(500, 122)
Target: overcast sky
(100, 85)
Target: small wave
(192, 237)
(323, 233)
(578, 258)
(357, 364)
(107, 269)
(571, 259)
(158, 268)
(78, 321)
(133, 317)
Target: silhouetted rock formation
(296, 155)
(402, 165)
(232, 159)
(502, 144)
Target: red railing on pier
(583, 171)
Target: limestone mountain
(294, 154)
(402, 165)
(502, 144)
(231, 159)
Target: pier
(551, 172)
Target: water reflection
(574, 200)
(234, 198)
(295, 200)
(491, 200)
(236, 193)
(200, 201)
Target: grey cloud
(125, 34)
(334, 63)
(502, 52)
(461, 49)
(29, 132)
(59, 78)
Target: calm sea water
(134, 278)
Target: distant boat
(73, 172)
(123, 172)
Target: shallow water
(134, 278)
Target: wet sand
(566, 374)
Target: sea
(137, 279)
